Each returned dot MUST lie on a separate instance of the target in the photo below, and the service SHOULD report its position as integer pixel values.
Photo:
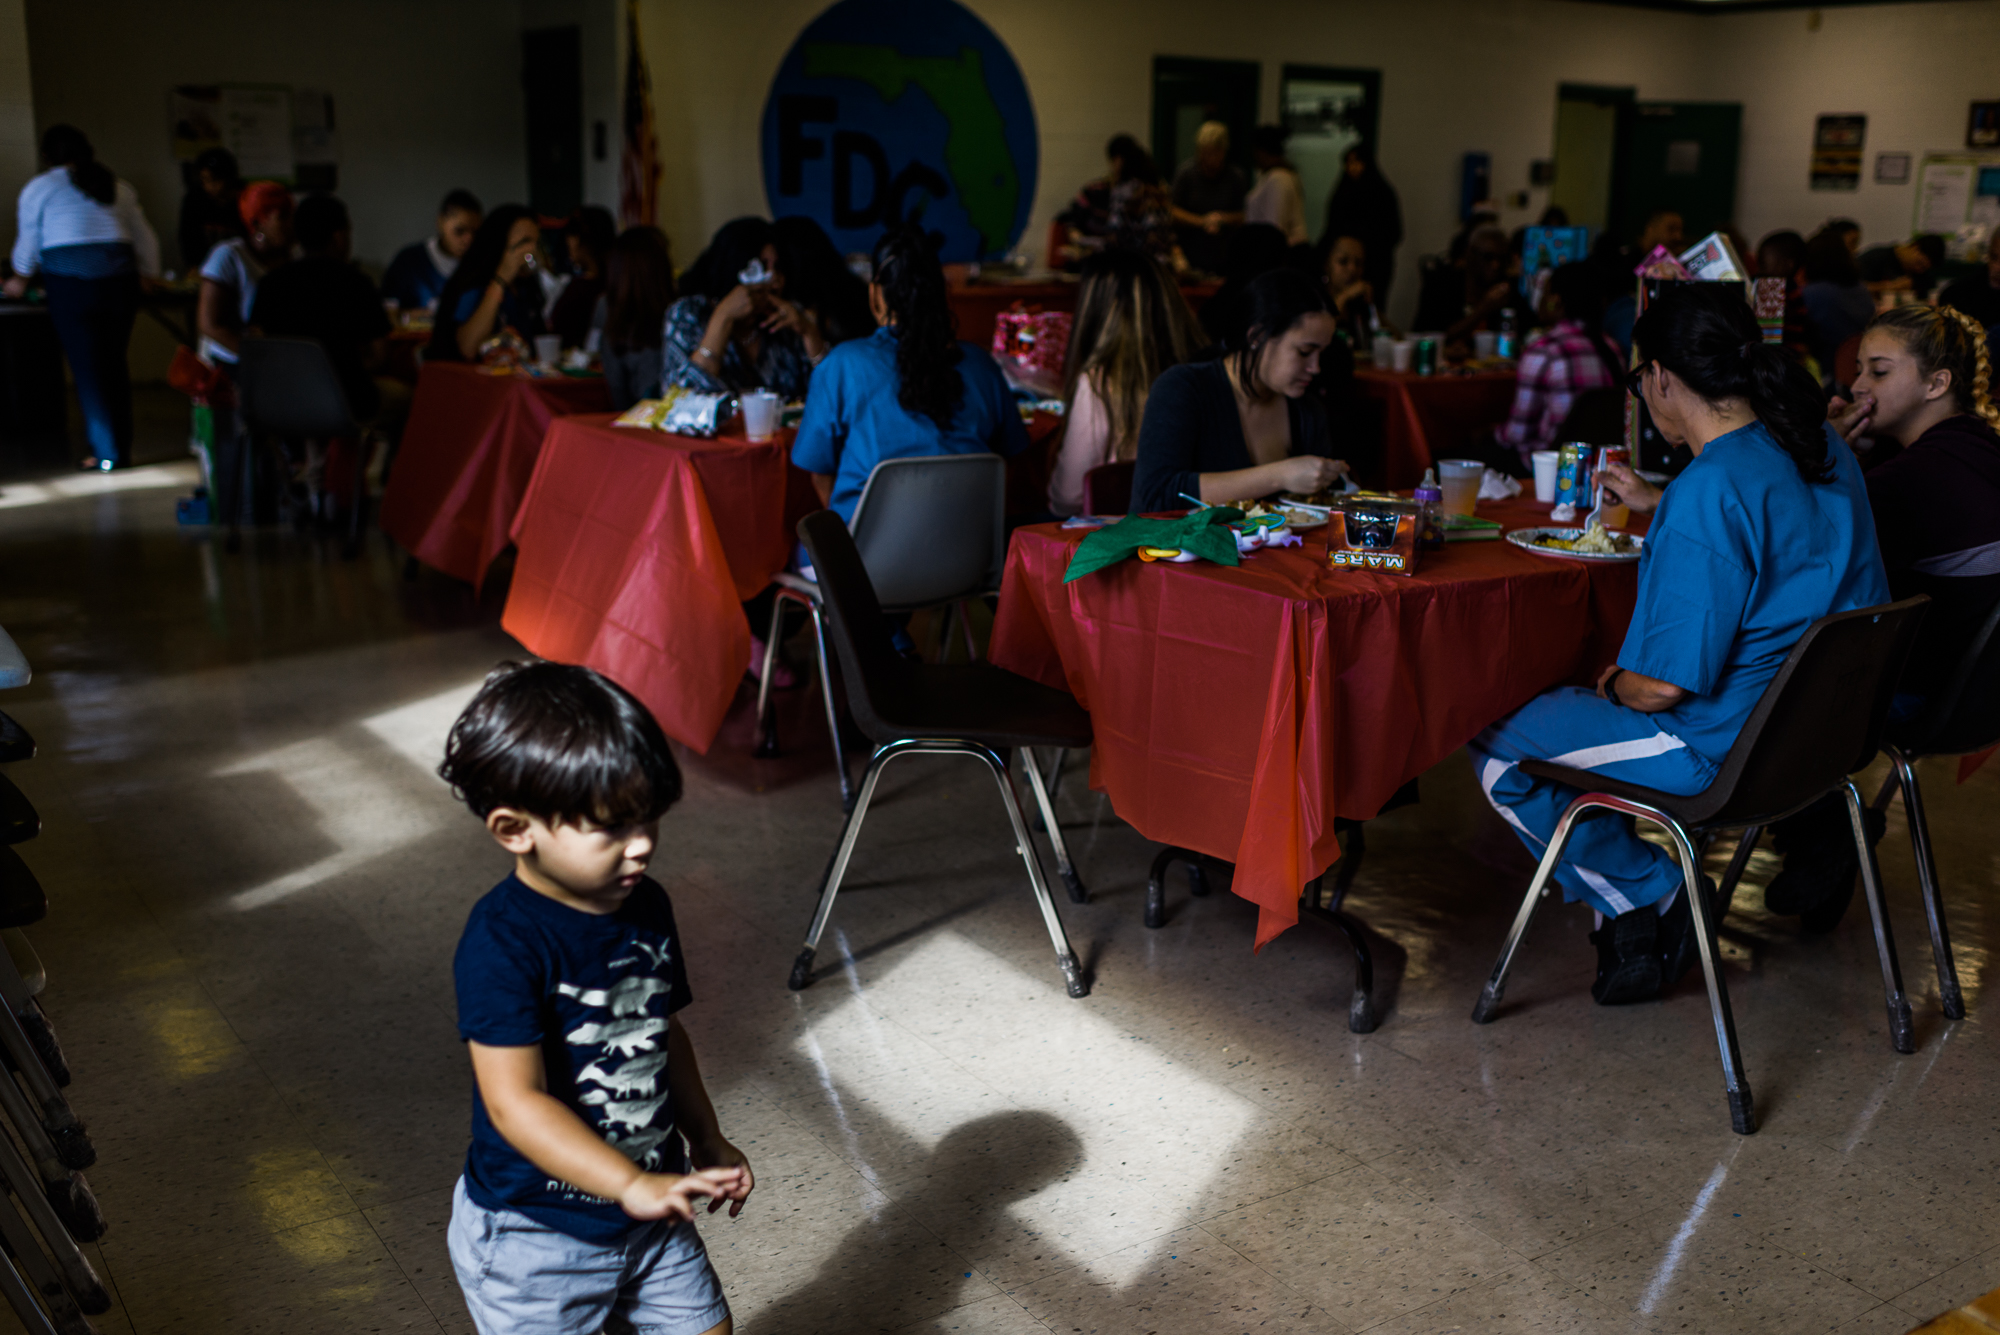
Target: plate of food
(1594, 544)
(1298, 517)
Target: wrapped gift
(1037, 339)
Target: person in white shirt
(230, 274)
(82, 234)
(1131, 324)
(1276, 198)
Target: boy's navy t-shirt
(594, 992)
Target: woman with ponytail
(910, 389)
(1767, 531)
(82, 232)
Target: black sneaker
(1679, 947)
(1628, 958)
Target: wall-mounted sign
(1982, 126)
(253, 121)
(1836, 158)
(890, 110)
(1892, 169)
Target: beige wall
(1911, 69)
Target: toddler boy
(576, 1210)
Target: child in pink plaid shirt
(1570, 355)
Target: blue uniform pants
(1605, 862)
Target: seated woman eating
(1243, 425)
(1767, 531)
(910, 389)
(492, 289)
(733, 328)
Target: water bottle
(1508, 346)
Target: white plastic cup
(760, 414)
(548, 348)
(1384, 350)
(1404, 349)
(1546, 463)
(1485, 344)
(1459, 480)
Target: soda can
(1426, 360)
(1573, 475)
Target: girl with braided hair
(912, 388)
(1924, 396)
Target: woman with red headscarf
(230, 274)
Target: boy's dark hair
(560, 743)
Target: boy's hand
(717, 1153)
(672, 1195)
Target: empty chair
(1962, 718)
(932, 532)
(967, 709)
(1107, 488)
(287, 387)
(1819, 720)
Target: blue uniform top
(1742, 556)
(853, 421)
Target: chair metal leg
(1746, 844)
(1902, 1032)
(836, 868)
(1495, 990)
(767, 727)
(832, 709)
(1927, 878)
(61, 1235)
(33, 1319)
(1072, 971)
(1064, 867)
(965, 625)
(36, 1269)
(1742, 1107)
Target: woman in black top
(1243, 425)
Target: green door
(1187, 92)
(1681, 156)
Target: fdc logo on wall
(889, 110)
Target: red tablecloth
(465, 459)
(1238, 711)
(637, 551)
(977, 305)
(1432, 417)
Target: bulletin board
(1958, 194)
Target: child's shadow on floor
(909, 1259)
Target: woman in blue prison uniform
(1767, 531)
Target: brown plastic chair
(1962, 718)
(1107, 488)
(1820, 720)
(966, 709)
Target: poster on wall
(1836, 157)
(887, 111)
(253, 121)
(1982, 126)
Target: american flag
(639, 162)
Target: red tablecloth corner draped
(466, 455)
(1238, 711)
(637, 550)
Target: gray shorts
(525, 1278)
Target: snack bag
(1037, 339)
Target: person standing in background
(208, 210)
(81, 230)
(1208, 197)
(416, 277)
(1276, 198)
(1364, 206)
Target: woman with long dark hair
(493, 287)
(734, 328)
(639, 287)
(1767, 531)
(912, 388)
(1131, 325)
(817, 278)
(82, 232)
(1364, 206)
(1244, 425)
(1570, 356)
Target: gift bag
(1037, 339)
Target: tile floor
(257, 884)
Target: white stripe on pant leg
(1610, 753)
(1614, 901)
(1491, 773)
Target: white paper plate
(1524, 538)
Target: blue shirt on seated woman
(1767, 531)
(911, 389)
